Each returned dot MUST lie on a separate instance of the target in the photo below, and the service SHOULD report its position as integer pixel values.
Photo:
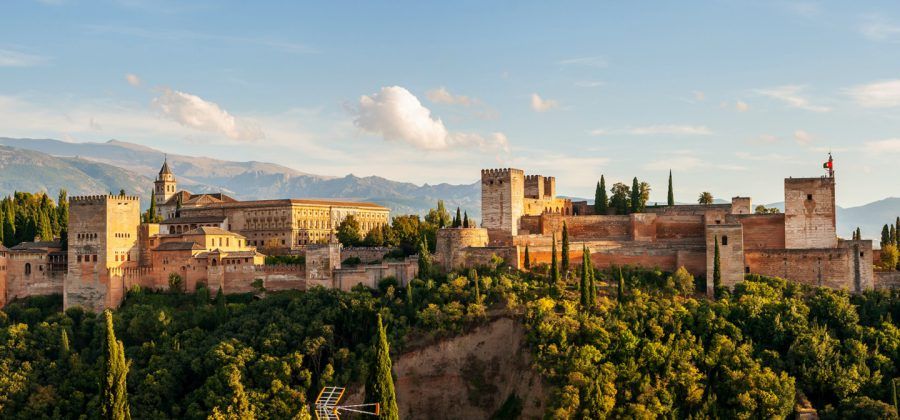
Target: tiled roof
(197, 219)
(209, 230)
(178, 246)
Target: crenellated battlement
(101, 199)
(280, 268)
(500, 172)
(129, 271)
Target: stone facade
(800, 244)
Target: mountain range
(97, 168)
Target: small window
(725, 240)
(809, 196)
(747, 269)
(27, 269)
(862, 254)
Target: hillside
(246, 180)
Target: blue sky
(733, 96)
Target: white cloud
(539, 104)
(884, 94)
(198, 113)
(699, 95)
(791, 95)
(396, 114)
(12, 58)
(443, 96)
(133, 80)
(883, 146)
(659, 129)
(741, 106)
(802, 137)
(592, 61)
(877, 28)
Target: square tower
(534, 186)
(809, 213)
(103, 237)
(502, 199)
(549, 187)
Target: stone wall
(763, 231)
(887, 280)
(731, 254)
(809, 213)
(587, 227)
(370, 275)
(502, 199)
(365, 254)
(678, 226)
(816, 267)
(741, 205)
(451, 242)
(28, 274)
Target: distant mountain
(243, 180)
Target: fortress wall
(693, 261)
(688, 209)
(530, 225)
(674, 226)
(588, 227)
(451, 242)
(887, 280)
(809, 213)
(474, 257)
(365, 254)
(763, 231)
(815, 267)
(731, 254)
(643, 227)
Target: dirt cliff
(473, 376)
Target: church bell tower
(165, 186)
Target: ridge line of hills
(97, 168)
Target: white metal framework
(327, 407)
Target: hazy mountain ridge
(136, 164)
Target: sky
(732, 96)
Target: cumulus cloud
(792, 95)
(741, 106)
(658, 129)
(443, 96)
(12, 58)
(198, 113)
(883, 146)
(539, 104)
(802, 137)
(133, 80)
(885, 94)
(396, 114)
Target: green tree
(44, 229)
(565, 250)
(586, 278)
(635, 196)
(620, 287)
(889, 257)
(554, 265)
(465, 222)
(380, 384)
(620, 200)
(438, 217)
(717, 269)
(239, 408)
(527, 259)
(892, 235)
(374, 237)
(885, 238)
(348, 231)
(601, 202)
(63, 345)
(114, 392)
(457, 221)
(705, 198)
(62, 218)
(424, 259)
(670, 198)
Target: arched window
(27, 269)
(214, 262)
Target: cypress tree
(897, 230)
(44, 228)
(884, 236)
(670, 200)
(424, 259)
(892, 235)
(592, 289)
(527, 259)
(465, 223)
(894, 394)
(554, 266)
(635, 195)
(858, 234)
(583, 284)
(601, 201)
(2, 218)
(597, 198)
(63, 345)
(380, 384)
(620, 289)
(458, 221)
(717, 269)
(221, 307)
(565, 250)
(113, 387)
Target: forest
(642, 344)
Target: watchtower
(165, 186)
(809, 213)
(502, 199)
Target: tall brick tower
(164, 186)
(502, 199)
(809, 212)
(103, 236)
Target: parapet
(101, 199)
(500, 172)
